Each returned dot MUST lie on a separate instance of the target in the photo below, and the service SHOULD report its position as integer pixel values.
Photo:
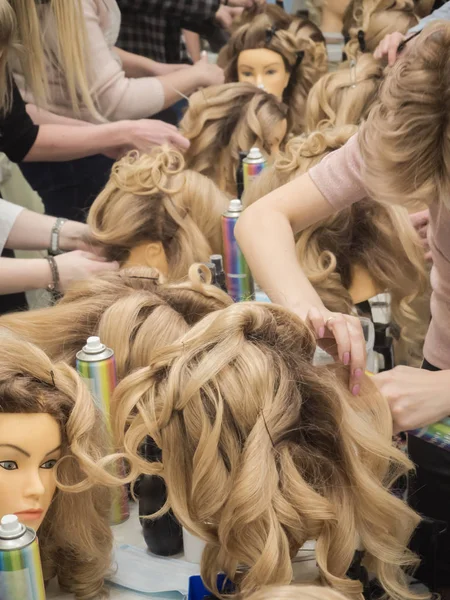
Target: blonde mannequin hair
(75, 539)
(55, 33)
(345, 96)
(423, 7)
(8, 40)
(374, 19)
(223, 120)
(151, 198)
(295, 592)
(134, 312)
(379, 238)
(413, 105)
(315, 8)
(303, 73)
(261, 451)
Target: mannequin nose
(34, 487)
(259, 82)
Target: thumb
(203, 57)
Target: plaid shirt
(152, 28)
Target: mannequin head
(223, 120)
(257, 479)
(345, 96)
(300, 71)
(51, 437)
(53, 32)
(154, 213)
(134, 312)
(413, 104)
(375, 238)
(327, 14)
(368, 22)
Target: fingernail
(322, 332)
(356, 389)
(346, 358)
(358, 373)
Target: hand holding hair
(388, 47)
(77, 265)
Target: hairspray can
(238, 277)
(437, 434)
(97, 366)
(20, 562)
(252, 166)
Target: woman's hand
(417, 397)
(389, 46)
(207, 74)
(76, 265)
(144, 134)
(342, 336)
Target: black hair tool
(240, 175)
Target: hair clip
(353, 73)
(270, 33)
(267, 428)
(362, 40)
(300, 57)
(52, 375)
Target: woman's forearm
(32, 231)
(21, 275)
(135, 65)
(41, 116)
(179, 84)
(65, 142)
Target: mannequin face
(30, 446)
(149, 254)
(265, 69)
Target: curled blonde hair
(151, 198)
(299, 459)
(405, 142)
(373, 20)
(377, 237)
(295, 592)
(134, 312)
(344, 97)
(75, 539)
(303, 73)
(54, 34)
(222, 121)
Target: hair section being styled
(75, 539)
(222, 121)
(152, 198)
(345, 96)
(262, 451)
(295, 592)
(367, 23)
(134, 312)
(303, 60)
(376, 237)
(405, 142)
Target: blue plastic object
(198, 591)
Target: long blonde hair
(261, 451)
(345, 96)
(75, 538)
(134, 312)
(222, 121)
(405, 141)
(54, 34)
(377, 237)
(8, 41)
(295, 592)
(304, 72)
(151, 198)
(368, 22)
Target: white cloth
(8, 215)
(439, 13)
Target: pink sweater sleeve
(338, 176)
(118, 97)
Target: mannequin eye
(246, 74)
(271, 72)
(8, 465)
(49, 464)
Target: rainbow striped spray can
(20, 562)
(252, 166)
(97, 366)
(438, 434)
(239, 280)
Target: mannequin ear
(155, 256)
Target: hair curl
(299, 459)
(344, 97)
(133, 311)
(374, 19)
(295, 592)
(151, 198)
(377, 237)
(303, 74)
(222, 121)
(75, 538)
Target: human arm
(265, 232)
(40, 116)
(417, 397)
(137, 66)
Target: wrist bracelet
(53, 287)
(54, 249)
